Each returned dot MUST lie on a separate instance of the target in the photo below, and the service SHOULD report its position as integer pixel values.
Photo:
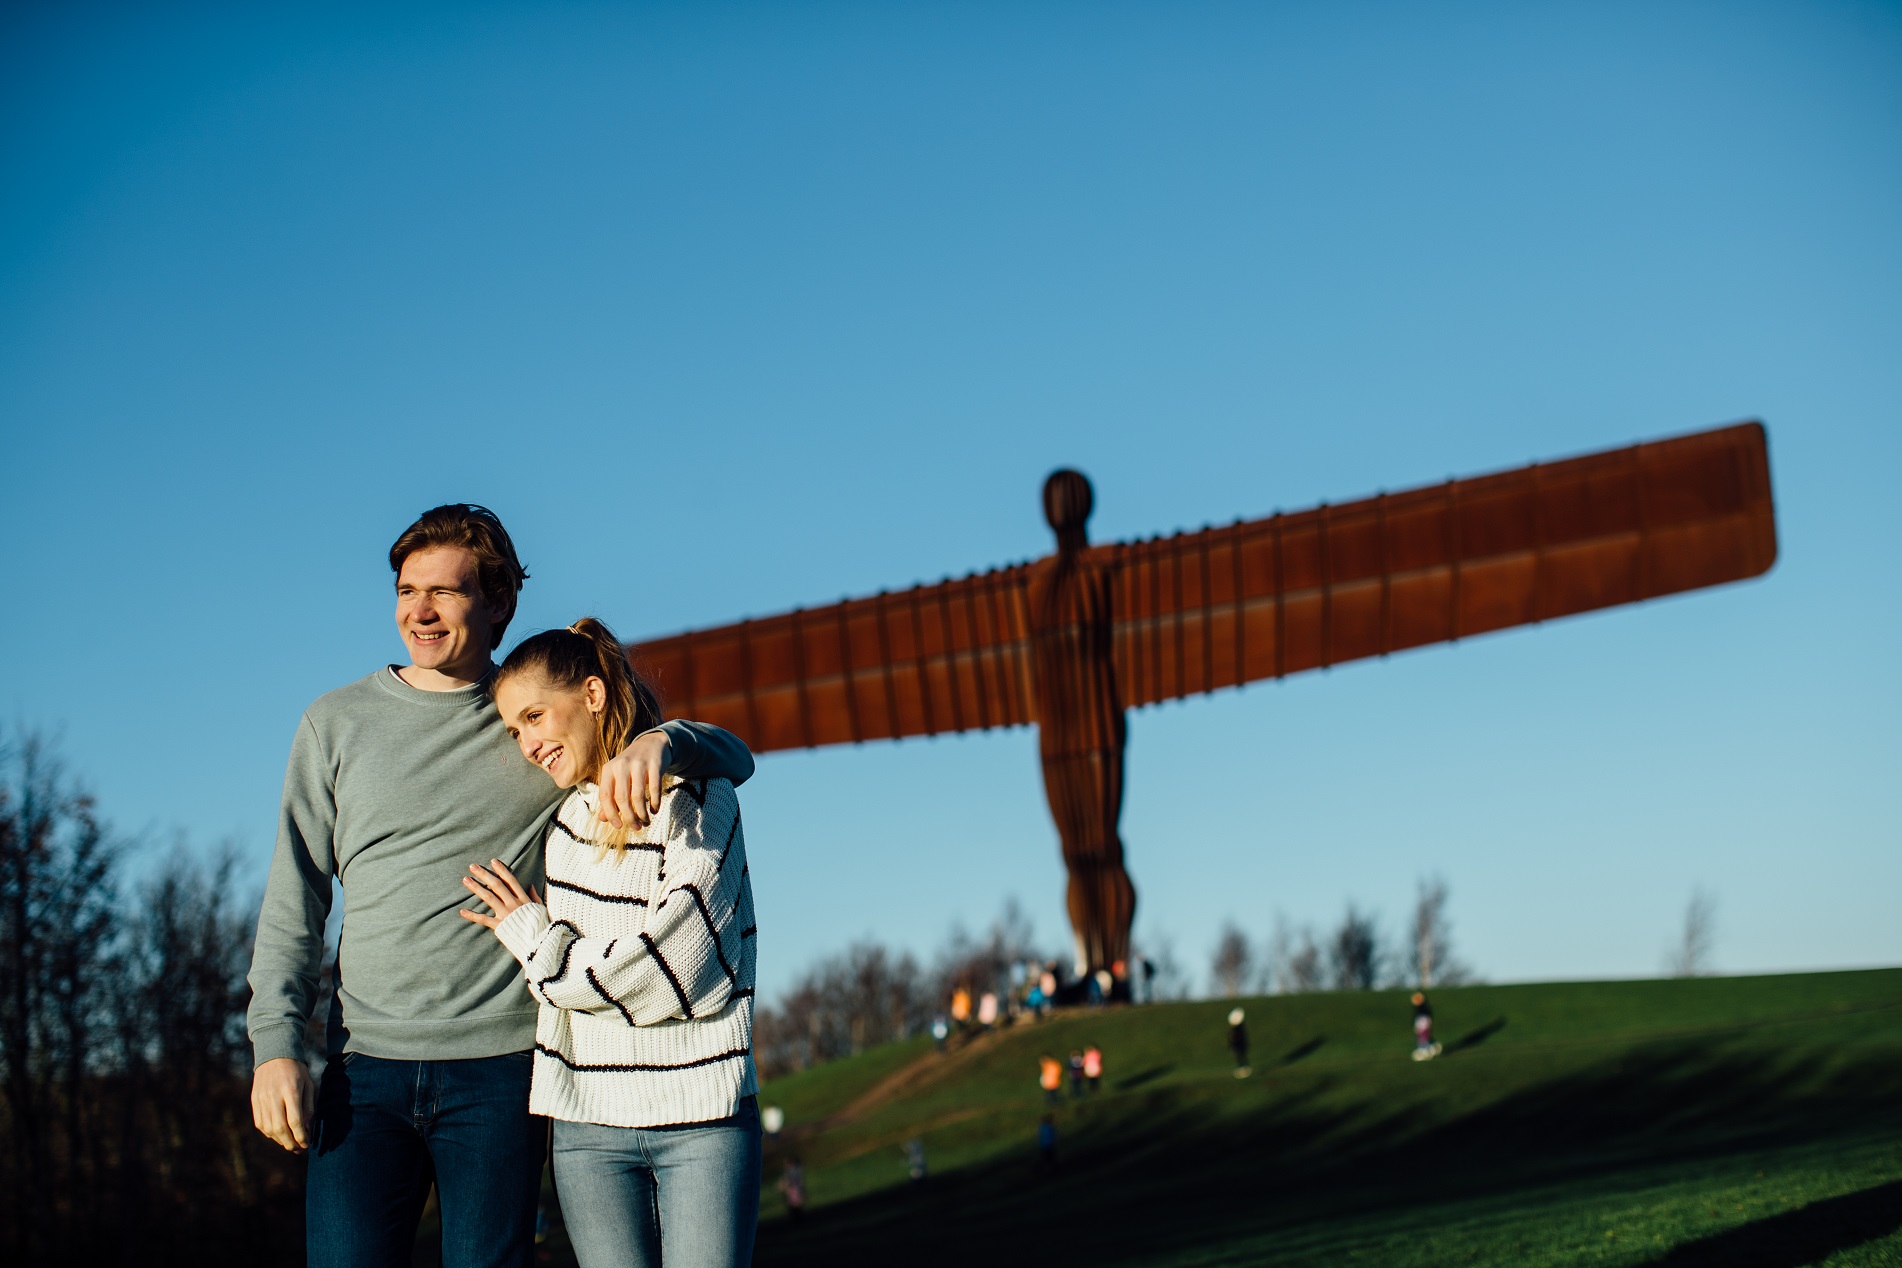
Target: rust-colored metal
(1072, 640)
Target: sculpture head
(1067, 501)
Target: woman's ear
(597, 694)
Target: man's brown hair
(478, 531)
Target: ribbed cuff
(282, 1040)
(521, 930)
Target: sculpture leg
(1086, 800)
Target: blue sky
(726, 308)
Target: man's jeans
(627, 1190)
(386, 1129)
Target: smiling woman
(642, 959)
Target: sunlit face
(441, 613)
(554, 725)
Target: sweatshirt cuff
(682, 745)
(521, 930)
(272, 1042)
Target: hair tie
(576, 629)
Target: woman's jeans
(386, 1129)
(688, 1196)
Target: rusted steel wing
(1271, 597)
(924, 661)
(1253, 600)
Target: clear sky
(729, 307)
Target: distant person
(940, 1030)
(1238, 1042)
(1047, 983)
(1105, 982)
(987, 1010)
(1424, 1049)
(1050, 1078)
(1034, 1000)
(1076, 1073)
(1047, 1143)
(792, 1184)
(1093, 1067)
(1149, 980)
(394, 783)
(961, 1007)
(915, 1159)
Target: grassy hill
(1707, 1121)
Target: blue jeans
(386, 1129)
(627, 1192)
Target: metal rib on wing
(1271, 597)
(924, 661)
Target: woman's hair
(566, 659)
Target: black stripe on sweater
(641, 1069)
(686, 1009)
(585, 892)
(700, 901)
(566, 948)
(569, 832)
(731, 833)
(602, 991)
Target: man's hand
(284, 1102)
(630, 782)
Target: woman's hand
(502, 893)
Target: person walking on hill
(1047, 1143)
(1238, 1042)
(792, 1184)
(1050, 1078)
(643, 961)
(1076, 1073)
(394, 782)
(1424, 1049)
(1093, 1067)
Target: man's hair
(476, 530)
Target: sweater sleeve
(287, 957)
(681, 965)
(703, 751)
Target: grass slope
(1708, 1121)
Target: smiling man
(396, 784)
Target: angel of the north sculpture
(1070, 641)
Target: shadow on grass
(1806, 1235)
(1307, 1049)
(1474, 1038)
(1166, 1175)
(1150, 1075)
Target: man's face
(440, 612)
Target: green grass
(1709, 1121)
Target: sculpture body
(1081, 728)
(1068, 642)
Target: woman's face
(554, 725)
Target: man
(396, 784)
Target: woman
(643, 960)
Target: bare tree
(1691, 956)
(1232, 969)
(1433, 960)
(1356, 956)
(1294, 961)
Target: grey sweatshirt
(396, 791)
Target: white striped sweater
(643, 961)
